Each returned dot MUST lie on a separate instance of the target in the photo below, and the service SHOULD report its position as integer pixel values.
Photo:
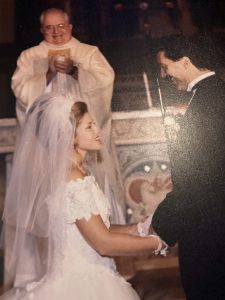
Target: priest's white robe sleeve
(28, 81)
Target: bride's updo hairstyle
(54, 119)
(78, 110)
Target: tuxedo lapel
(197, 98)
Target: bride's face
(88, 134)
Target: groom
(193, 214)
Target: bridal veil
(36, 188)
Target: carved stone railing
(141, 146)
(7, 135)
(7, 144)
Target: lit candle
(160, 99)
(149, 99)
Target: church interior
(127, 32)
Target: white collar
(69, 44)
(199, 78)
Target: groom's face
(176, 70)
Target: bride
(63, 241)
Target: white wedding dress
(83, 274)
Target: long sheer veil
(34, 201)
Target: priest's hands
(62, 64)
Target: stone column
(186, 23)
(7, 144)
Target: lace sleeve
(81, 203)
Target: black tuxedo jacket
(193, 214)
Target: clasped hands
(62, 64)
(144, 228)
